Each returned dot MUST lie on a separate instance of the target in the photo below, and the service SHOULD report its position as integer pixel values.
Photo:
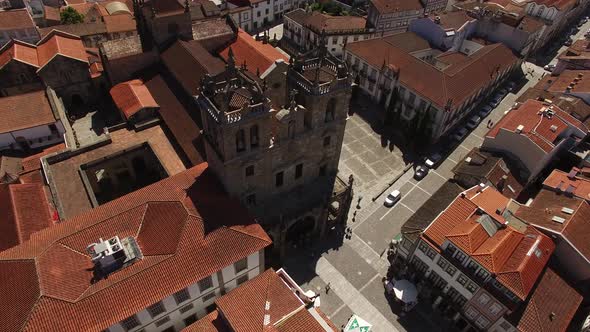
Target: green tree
(71, 16)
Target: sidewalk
(352, 297)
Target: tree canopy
(71, 16)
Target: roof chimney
(519, 129)
(480, 187)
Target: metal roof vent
(567, 210)
(519, 129)
(113, 254)
(572, 174)
(558, 219)
(468, 160)
(553, 128)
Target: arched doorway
(300, 229)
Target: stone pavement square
(377, 233)
(354, 268)
(445, 168)
(459, 154)
(367, 157)
(308, 280)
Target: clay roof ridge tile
(16, 215)
(249, 234)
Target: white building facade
(178, 310)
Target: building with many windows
(153, 260)
(479, 264)
(271, 301)
(389, 16)
(425, 91)
(304, 30)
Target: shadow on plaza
(391, 139)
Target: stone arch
(300, 229)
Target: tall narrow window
(298, 171)
(330, 110)
(327, 141)
(250, 170)
(254, 136)
(240, 145)
(323, 169)
(279, 179)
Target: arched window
(240, 145)
(254, 136)
(330, 110)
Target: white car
(549, 67)
(485, 111)
(473, 122)
(392, 198)
(433, 160)
(460, 134)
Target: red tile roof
(178, 120)
(559, 4)
(60, 43)
(256, 55)
(25, 210)
(49, 287)
(455, 84)
(24, 111)
(16, 19)
(559, 179)
(551, 307)
(395, 6)
(266, 303)
(541, 129)
(32, 162)
(522, 269)
(569, 81)
(19, 51)
(119, 23)
(510, 252)
(131, 97)
(244, 308)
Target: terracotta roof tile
(213, 322)
(25, 210)
(119, 23)
(178, 119)
(456, 83)
(24, 111)
(16, 19)
(217, 232)
(19, 51)
(60, 43)
(536, 126)
(182, 55)
(303, 320)
(256, 55)
(244, 307)
(517, 255)
(525, 264)
(559, 179)
(32, 162)
(395, 6)
(551, 307)
(132, 97)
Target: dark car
(420, 172)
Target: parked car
(392, 198)
(582, 22)
(460, 134)
(473, 122)
(503, 92)
(433, 160)
(485, 111)
(549, 67)
(420, 172)
(496, 100)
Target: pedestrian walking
(328, 287)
